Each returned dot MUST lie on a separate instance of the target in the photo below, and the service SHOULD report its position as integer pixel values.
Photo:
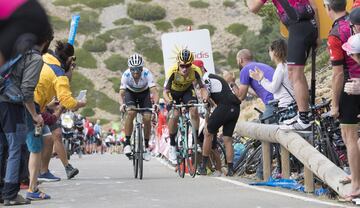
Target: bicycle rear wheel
(192, 154)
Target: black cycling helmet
(185, 57)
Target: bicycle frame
(187, 144)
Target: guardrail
(314, 162)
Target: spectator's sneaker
(36, 195)
(48, 177)
(216, 173)
(298, 126)
(18, 200)
(291, 120)
(172, 155)
(127, 150)
(147, 155)
(230, 172)
(71, 172)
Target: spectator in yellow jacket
(55, 82)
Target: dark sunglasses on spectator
(136, 69)
(185, 65)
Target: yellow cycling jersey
(177, 82)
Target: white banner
(197, 41)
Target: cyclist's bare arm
(122, 97)
(254, 5)
(203, 91)
(167, 88)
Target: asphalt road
(107, 181)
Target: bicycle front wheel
(134, 155)
(140, 154)
(192, 154)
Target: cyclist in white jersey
(136, 85)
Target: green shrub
(161, 81)
(116, 83)
(89, 23)
(105, 37)
(123, 21)
(218, 56)
(105, 103)
(230, 4)
(182, 21)
(95, 45)
(90, 3)
(76, 9)
(236, 29)
(149, 48)
(231, 58)
(80, 82)
(199, 4)
(131, 32)
(104, 121)
(146, 12)
(116, 62)
(94, 98)
(88, 112)
(59, 24)
(85, 59)
(211, 28)
(163, 26)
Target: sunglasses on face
(136, 69)
(185, 65)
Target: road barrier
(314, 162)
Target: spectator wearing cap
(354, 17)
(352, 48)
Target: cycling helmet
(185, 57)
(135, 61)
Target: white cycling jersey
(146, 81)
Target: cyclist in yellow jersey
(179, 89)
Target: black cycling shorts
(302, 37)
(29, 18)
(349, 108)
(187, 96)
(138, 98)
(225, 116)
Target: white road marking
(307, 199)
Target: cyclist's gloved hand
(170, 105)
(123, 108)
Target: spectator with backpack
(19, 78)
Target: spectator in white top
(352, 48)
(280, 86)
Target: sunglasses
(136, 69)
(185, 65)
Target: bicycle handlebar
(190, 105)
(140, 109)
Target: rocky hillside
(111, 30)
